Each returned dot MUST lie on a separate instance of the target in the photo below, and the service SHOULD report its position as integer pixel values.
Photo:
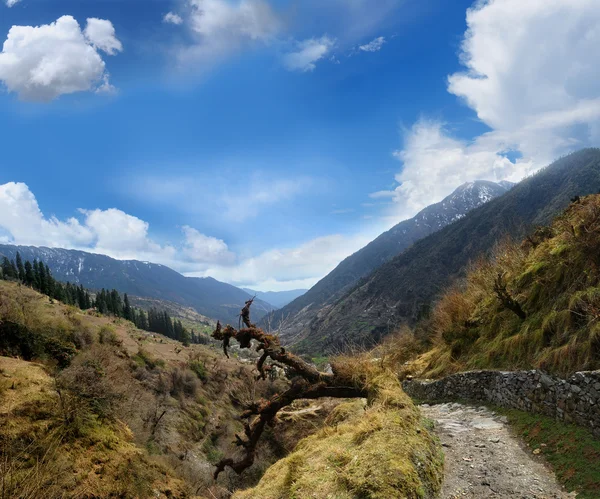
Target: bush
(144, 359)
(18, 341)
(183, 382)
(199, 369)
(107, 336)
(91, 388)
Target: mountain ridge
(402, 290)
(294, 317)
(209, 297)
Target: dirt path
(484, 460)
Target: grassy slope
(132, 414)
(555, 277)
(197, 388)
(376, 451)
(572, 452)
(402, 290)
(42, 460)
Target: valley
(241, 415)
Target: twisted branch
(308, 383)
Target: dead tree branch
(506, 299)
(307, 383)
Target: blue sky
(261, 142)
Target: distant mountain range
(207, 296)
(295, 319)
(402, 289)
(277, 298)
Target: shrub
(144, 359)
(92, 387)
(183, 382)
(17, 340)
(107, 336)
(199, 369)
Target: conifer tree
(20, 267)
(126, 308)
(29, 276)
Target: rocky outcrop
(574, 400)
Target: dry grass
(554, 276)
(375, 450)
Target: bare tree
(306, 382)
(506, 299)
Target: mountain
(207, 296)
(295, 317)
(553, 277)
(277, 298)
(402, 290)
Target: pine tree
(20, 267)
(50, 282)
(36, 275)
(29, 276)
(42, 278)
(127, 308)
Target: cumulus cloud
(11, 3)
(221, 28)
(111, 232)
(43, 62)
(373, 46)
(123, 236)
(172, 18)
(200, 248)
(530, 76)
(435, 163)
(287, 268)
(308, 53)
(101, 34)
(21, 217)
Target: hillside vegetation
(530, 305)
(90, 406)
(377, 450)
(402, 290)
(292, 319)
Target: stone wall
(574, 400)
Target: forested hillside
(402, 290)
(293, 318)
(207, 296)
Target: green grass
(573, 452)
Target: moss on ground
(573, 452)
(377, 450)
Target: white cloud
(373, 46)
(435, 164)
(308, 53)
(43, 62)
(20, 215)
(117, 234)
(11, 3)
(200, 248)
(286, 268)
(111, 232)
(172, 18)
(222, 28)
(531, 76)
(101, 34)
